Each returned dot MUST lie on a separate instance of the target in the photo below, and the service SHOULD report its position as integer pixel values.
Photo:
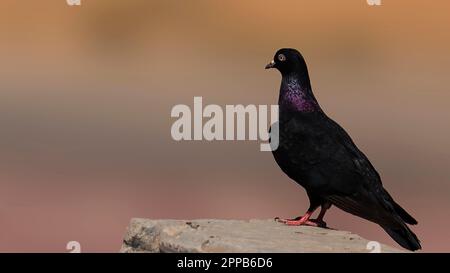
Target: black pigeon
(320, 156)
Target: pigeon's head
(287, 60)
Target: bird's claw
(319, 223)
(299, 222)
(282, 220)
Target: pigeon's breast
(297, 151)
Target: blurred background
(86, 94)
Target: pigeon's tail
(400, 211)
(404, 214)
(403, 236)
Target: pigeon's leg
(303, 220)
(314, 203)
(319, 221)
(299, 221)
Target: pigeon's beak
(270, 65)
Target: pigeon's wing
(364, 195)
(329, 164)
(367, 198)
(317, 153)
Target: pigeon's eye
(281, 57)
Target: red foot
(303, 221)
(318, 223)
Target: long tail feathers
(404, 236)
(404, 215)
(399, 210)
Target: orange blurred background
(86, 94)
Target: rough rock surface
(145, 235)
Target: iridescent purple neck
(296, 95)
